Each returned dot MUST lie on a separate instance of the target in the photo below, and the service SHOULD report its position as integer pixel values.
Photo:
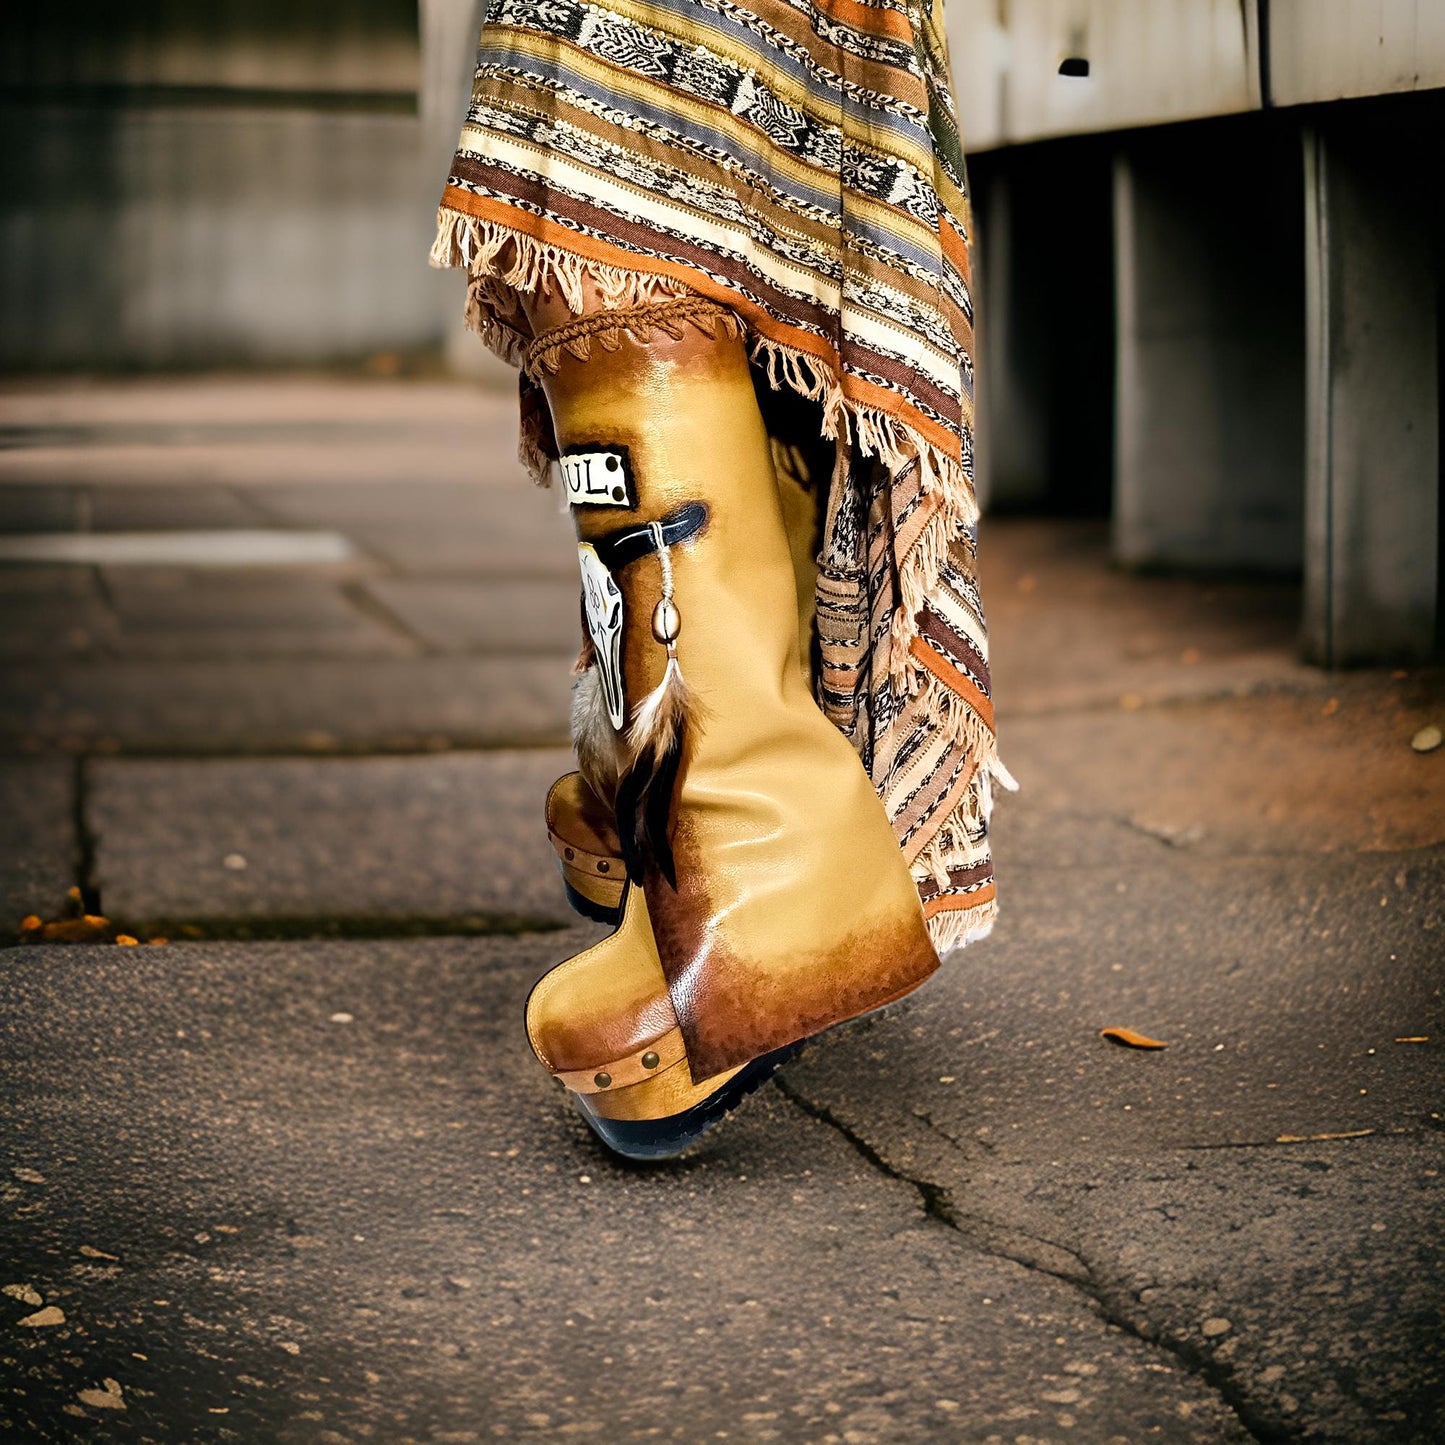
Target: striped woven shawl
(797, 161)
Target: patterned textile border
(799, 162)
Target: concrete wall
(212, 236)
(1272, 362)
(229, 184)
(1322, 50)
(1210, 349)
(1375, 257)
(1151, 62)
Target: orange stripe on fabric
(549, 233)
(956, 903)
(870, 18)
(953, 679)
(955, 248)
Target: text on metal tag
(598, 477)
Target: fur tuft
(599, 748)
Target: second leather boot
(778, 899)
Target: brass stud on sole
(650, 1060)
(603, 1080)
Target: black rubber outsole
(656, 1139)
(597, 912)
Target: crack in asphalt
(1001, 1242)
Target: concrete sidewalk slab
(39, 508)
(1067, 631)
(322, 1192)
(52, 612)
(505, 530)
(142, 508)
(181, 612)
(250, 431)
(275, 705)
(484, 615)
(421, 837)
(1280, 774)
(39, 849)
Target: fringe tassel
(952, 928)
(474, 246)
(532, 454)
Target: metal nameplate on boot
(598, 477)
(602, 605)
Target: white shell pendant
(666, 621)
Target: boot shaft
(789, 906)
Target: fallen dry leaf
(1427, 739)
(1319, 1138)
(50, 1315)
(91, 1252)
(158, 942)
(27, 1294)
(107, 1399)
(126, 941)
(31, 922)
(76, 930)
(1131, 1040)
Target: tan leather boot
(778, 901)
(580, 825)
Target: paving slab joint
(85, 839)
(361, 599)
(1057, 1261)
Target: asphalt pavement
(293, 1175)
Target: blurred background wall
(1209, 248)
(239, 182)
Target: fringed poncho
(799, 162)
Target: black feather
(630, 788)
(657, 809)
(644, 812)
